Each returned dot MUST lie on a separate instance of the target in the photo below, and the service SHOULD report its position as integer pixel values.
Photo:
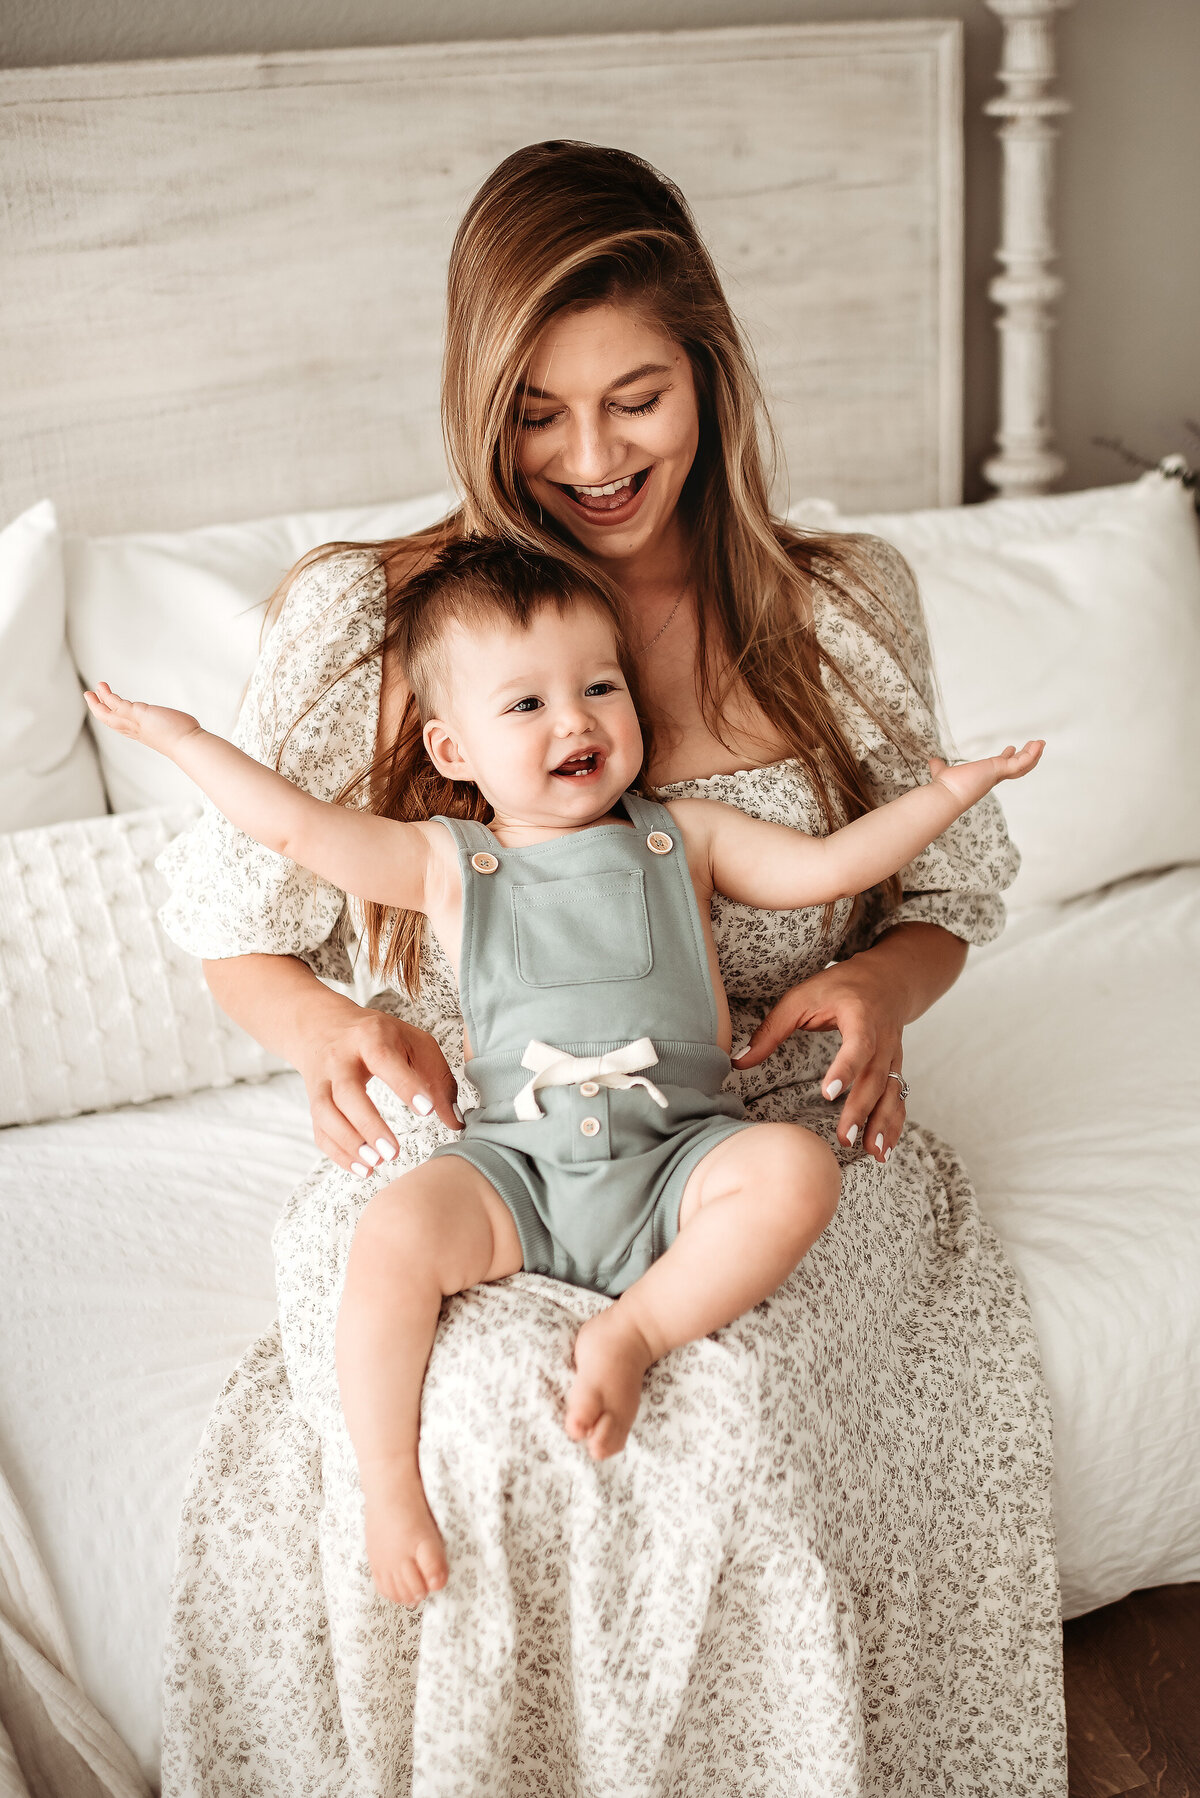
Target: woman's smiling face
(609, 402)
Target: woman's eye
(640, 411)
(599, 688)
(540, 424)
(530, 704)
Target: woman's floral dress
(824, 1563)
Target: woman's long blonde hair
(564, 225)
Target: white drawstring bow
(554, 1067)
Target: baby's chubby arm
(780, 869)
(365, 855)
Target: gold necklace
(662, 627)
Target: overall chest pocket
(576, 932)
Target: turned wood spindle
(1025, 292)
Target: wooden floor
(1133, 1696)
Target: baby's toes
(403, 1584)
(404, 1544)
(391, 1584)
(431, 1566)
(583, 1408)
(412, 1582)
(418, 1574)
(609, 1436)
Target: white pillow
(48, 766)
(1075, 618)
(98, 1007)
(176, 616)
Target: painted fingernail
(831, 1092)
(852, 1135)
(387, 1150)
(458, 1114)
(358, 1170)
(739, 1048)
(888, 1156)
(879, 1140)
(366, 1153)
(422, 1104)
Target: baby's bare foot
(611, 1357)
(404, 1544)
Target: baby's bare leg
(438, 1230)
(750, 1211)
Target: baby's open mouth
(588, 761)
(609, 497)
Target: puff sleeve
(958, 880)
(229, 895)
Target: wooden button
(484, 863)
(659, 843)
(589, 1089)
(590, 1127)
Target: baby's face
(540, 719)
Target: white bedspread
(1082, 1134)
(137, 1268)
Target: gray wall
(1129, 193)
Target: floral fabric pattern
(823, 1567)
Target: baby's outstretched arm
(780, 869)
(368, 856)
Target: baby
(605, 1150)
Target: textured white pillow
(1075, 618)
(48, 766)
(176, 616)
(98, 1007)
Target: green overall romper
(577, 948)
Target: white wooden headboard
(223, 277)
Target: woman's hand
(869, 999)
(853, 998)
(336, 1046)
(335, 1066)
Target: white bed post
(1028, 288)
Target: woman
(824, 1561)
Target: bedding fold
(53, 1741)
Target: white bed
(137, 1259)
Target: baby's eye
(599, 687)
(529, 704)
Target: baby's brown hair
(481, 581)
(472, 581)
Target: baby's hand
(969, 781)
(155, 725)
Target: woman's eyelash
(540, 424)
